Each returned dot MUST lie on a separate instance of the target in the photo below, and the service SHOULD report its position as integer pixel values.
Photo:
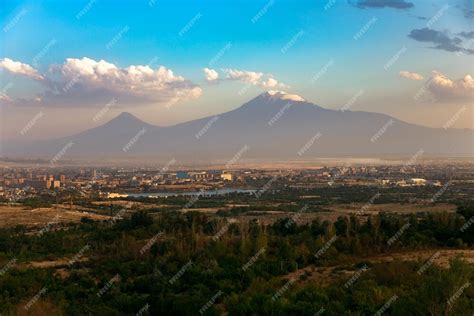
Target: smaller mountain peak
(125, 115)
(277, 94)
(125, 118)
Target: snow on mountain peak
(284, 96)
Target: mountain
(274, 125)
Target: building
(53, 184)
(182, 175)
(418, 181)
(111, 195)
(199, 175)
(226, 176)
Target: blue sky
(184, 36)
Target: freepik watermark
(211, 302)
(386, 306)
(262, 11)
(86, 9)
(35, 298)
(283, 289)
(309, 144)
(325, 248)
(134, 140)
(61, 153)
(428, 263)
(440, 192)
(457, 294)
(292, 220)
(190, 24)
(78, 255)
(367, 205)
(394, 59)
(413, 159)
(104, 110)
(454, 118)
(322, 71)
(50, 224)
(31, 123)
(206, 127)
(223, 230)
(220, 53)
(381, 131)
(365, 28)
(356, 276)
(168, 165)
(292, 41)
(143, 310)
(181, 272)
(352, 100)
(150, 243)
(254, 259)
(43, 52)
(15, 20)
(108, 285)
(398, 234)
(71, 83)
(10, 264)
(437, 16)
(237, 156)
(266, 187)
(279, 114)
(117, 37)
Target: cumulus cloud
(259, 79)
(446, 89)
(243, 75)
(210, 74)
(394, 4)
(441, 40)
(18, 68)
(411, 75)
(87, 82)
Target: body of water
(193, 193)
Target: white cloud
(18, 68)
(411, 75)
(446, 89)
(138, 81)
(243, 75)
(255, 78)
(87, 82)
(210, 74)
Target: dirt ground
(326, 275)
(334, 211)
(11, 216)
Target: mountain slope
(273, 125)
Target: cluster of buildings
(18, 182)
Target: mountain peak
(282, 95)
(127, 119)
(126, 115)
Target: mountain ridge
(271, 125)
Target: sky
(67, 66)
